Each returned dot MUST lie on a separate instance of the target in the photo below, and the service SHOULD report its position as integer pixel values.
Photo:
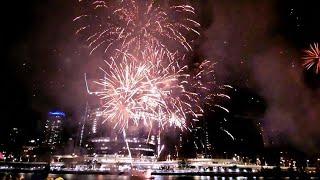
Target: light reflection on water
(28, 176)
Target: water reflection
(28, 176)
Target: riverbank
(269, 173)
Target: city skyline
(46, 63)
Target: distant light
(57, 113)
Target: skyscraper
(194, 142)
(53, 129)
(82, 130)
(14, 143)
(201, 142)
(90, 125)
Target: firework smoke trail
(312, 58)
(129, 25)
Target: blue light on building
(57, 113)
(53, 129)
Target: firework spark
(228, 133)
(122, 92)
(130, 25)
(312, 58)
(205, 84)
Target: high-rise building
(90, 125)
(14, 143)
(202, 144)
(14, 135)
(83, 127)
(102, 138)
(53, 129)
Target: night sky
(257, 44)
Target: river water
(29, 176)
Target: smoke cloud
(243, 39)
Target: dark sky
(257, 45)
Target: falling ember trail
(229, 134)
(126, 141)
(223, 108)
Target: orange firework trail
(312, 58)
(129, 25)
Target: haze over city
(263, 87)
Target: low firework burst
(141, 90)
(154, 88)
(122, 92)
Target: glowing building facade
(139, 147)
(53, 129)
(106, 140)
(101, 138)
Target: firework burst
(152, 87)
(312, 58)
(122, 92)
(130, 25)
(144, 81)
(142, 90)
